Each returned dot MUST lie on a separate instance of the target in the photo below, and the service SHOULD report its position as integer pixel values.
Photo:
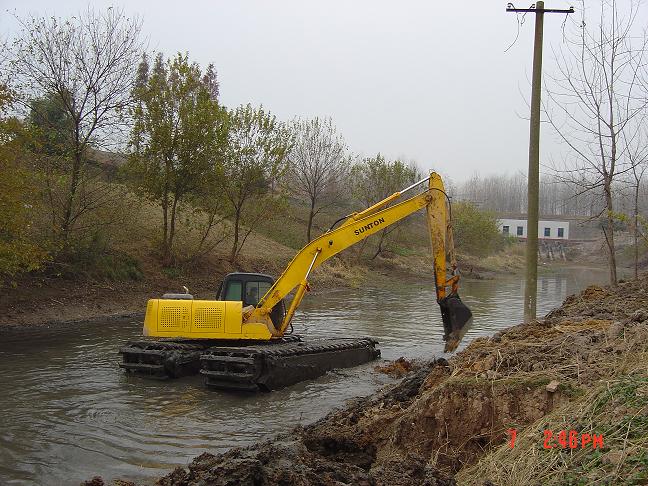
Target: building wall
(553, 227)
(580, 227)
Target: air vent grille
(209, 318)
(173, 317)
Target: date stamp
(564, 439)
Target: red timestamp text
(571, 440)
(565, 439)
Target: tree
(597, 95)
(318, 162)
(20, 251)
(475, 231)
(637, 154)
(52, 126)
(375, 178)
(255, 158)
(85, 66)
(177, 137)
(209, 212)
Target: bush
(21, 248)
(93, 258)
(476, 232)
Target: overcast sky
(421, 80)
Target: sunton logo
(367, 227)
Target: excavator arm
(356, 228)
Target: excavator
(241, 341)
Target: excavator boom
(357, 227)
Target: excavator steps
(265, 368)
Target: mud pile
(584, 368)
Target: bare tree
(596, 95)
(318, 161)
(87, 63)
(637, 152)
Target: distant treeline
(508, 194)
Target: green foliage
(19, 250)
(253, 162)
(53, 129)
(177, 138)
(172, 272)
(475, 232)
(93, 257)
(116, 266)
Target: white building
(547, 230)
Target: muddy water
(68, 412)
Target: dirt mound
(397, 368)
(443, 417)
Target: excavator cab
(249, 288)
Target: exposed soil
(446, 422)
(41, 300)
(46, 301)
(397, 368)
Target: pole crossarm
(511, 8)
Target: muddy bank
(49, 301)
(40, 300)
(583, 368)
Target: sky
(424, 81)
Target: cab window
(233, 292)
(254, 291)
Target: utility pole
(533, 184)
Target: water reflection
(70, 413)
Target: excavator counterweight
(250, 313)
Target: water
(69, 412)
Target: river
(69, 412)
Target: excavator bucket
(457, 319)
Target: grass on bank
(616, 408)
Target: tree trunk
(165, 229)
(361, 249)
(172, 230)
(74, 184)
(636, 231)
(165, 216)
(311, 214)
(609, 232)
(380, 243)
(210, 225)
(237, 222)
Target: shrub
(475, 232)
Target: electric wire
(520, 23)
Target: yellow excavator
(240, 341)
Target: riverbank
(52, 300)
(581, 369)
